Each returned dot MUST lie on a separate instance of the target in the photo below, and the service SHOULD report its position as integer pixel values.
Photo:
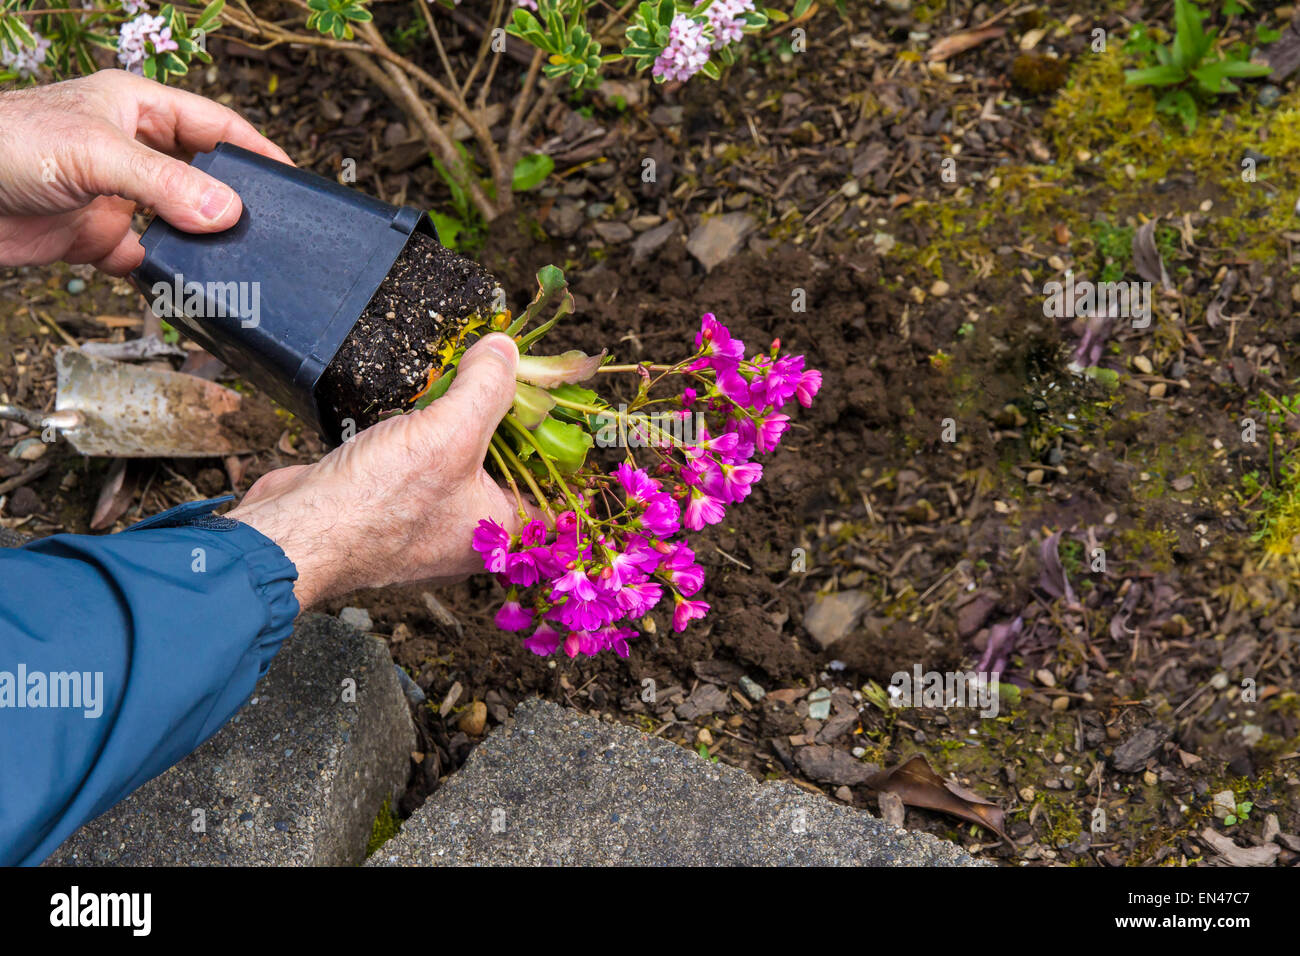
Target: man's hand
(399, 502)
(77, 157)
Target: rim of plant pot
(275, 295)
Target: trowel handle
(28, 417)
(38, 420)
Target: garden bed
(924, 303)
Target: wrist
(317, 579)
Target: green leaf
(531, 171)
(1180, 104)
(1244, 68)
(210, 13)
(531, 405)
(1154, 76)
(1213, 77)
(437, 389)
(565, 444)
(448, 229)
(1189, 39)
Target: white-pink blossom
(687, 50)
(140, 37)
(27, 61)
(724, 17)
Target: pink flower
(574, 582)
(723, 445)
(663, 516)
(810, 384)
(736, 481)
(621, 569)
(493, 542)
(637, 599)
(638, 486)
(779, 382)
(615, 639)
(725, 18)
(544, 640)
(770, 430)
(703, 509)
(513, 616)
(721, 351)
(687, 50)
(687, 611)
(734, 386)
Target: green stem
(509, 477)
(605, 412)
(555, 475)
(525, 474)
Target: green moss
(385, 827)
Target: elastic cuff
(272, 575)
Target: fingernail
(505, 347)
(215, 202)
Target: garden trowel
(115, 410)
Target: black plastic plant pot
(276, 295)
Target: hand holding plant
(613, 544)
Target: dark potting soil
(386, 359)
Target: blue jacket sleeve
(121, 654)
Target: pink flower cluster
(725, 18)
(26, 62)
(140, 37)
(611, 560)
(687, 50)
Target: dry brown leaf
(1146, 257)
(917, 785)
(961, 42)
(115, 496)
(1234, 855)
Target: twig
(31, 473)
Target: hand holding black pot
(77, 157)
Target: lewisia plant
(610, 546)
